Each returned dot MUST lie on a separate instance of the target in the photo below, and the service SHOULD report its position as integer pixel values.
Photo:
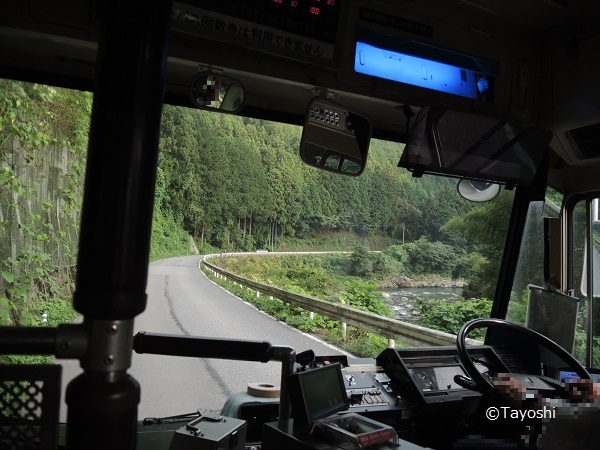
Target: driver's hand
(511, 389)
(579, 390)
(583, 390)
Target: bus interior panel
(498, 99)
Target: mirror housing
(334, 138)
(213, 91)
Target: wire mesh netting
(39, 216)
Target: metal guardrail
(383, 326)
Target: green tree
(361, 263)
(486, 227)
(426, 257)
(399, 253)
(451, 316)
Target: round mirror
(215, 91)
(478, 191)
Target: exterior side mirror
(478, 191)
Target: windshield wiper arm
(171, 419)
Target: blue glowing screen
(566, 376)
(421, 72)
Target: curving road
(181, 300)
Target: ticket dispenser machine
(320, 421)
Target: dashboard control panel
(374, 394)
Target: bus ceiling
(533, 63)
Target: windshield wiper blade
(171, 419)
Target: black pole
(27, 341)
(235, 349)
(121, 161)
(116, 219)
(512, 247)
(201, 347)
(510, 256)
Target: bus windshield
(407, 248)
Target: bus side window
(585, 222)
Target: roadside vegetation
(355, 279)
(43, 134)
(356, 295)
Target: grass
(358, 342)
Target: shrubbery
(168, 238)
(426, 257)
(350, 278)
(450, 316)
(363, 296)
(366, 297)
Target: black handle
(466, 383)
(200, 347)
(27, 341)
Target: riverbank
(421, 281)
(402, 300)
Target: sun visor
(466, 145)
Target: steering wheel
(533, 381)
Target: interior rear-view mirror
(217, 92)
(334, 138)
(475, 147)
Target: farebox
(355, 432)
(211, 433)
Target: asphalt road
(182, 301)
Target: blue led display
(567, 376)
(418, 71)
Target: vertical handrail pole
(114, 246)
(287, 356)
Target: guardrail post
(391, 343)
(311, 315)
(257, 294)
(344, 331)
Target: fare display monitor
(316, 394)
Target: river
(401, 299)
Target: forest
(238, 184)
